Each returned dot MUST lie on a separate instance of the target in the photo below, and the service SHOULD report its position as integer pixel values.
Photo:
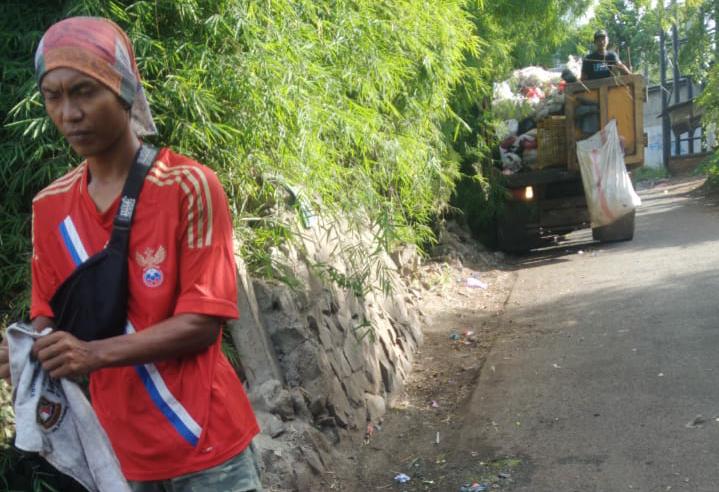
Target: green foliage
(525, 33)
(346, 99)
(7, 417)
(29, 154)
(709, 98)
(230, 350)
(699, 54)
(698, 58)
(514, 33)
(480, 195)
(710, 168)
(697, 19)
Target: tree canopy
(699, 56)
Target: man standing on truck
(601, 63)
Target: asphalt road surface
(606, 377)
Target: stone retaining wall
(320, 361)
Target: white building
(689, 144)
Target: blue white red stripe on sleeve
(72, 241)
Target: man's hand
(62, 355)
(4, 361)
(621, 67)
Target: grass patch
(647, 173)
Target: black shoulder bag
(92, 302)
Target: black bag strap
(133, 185)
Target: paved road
(607, 358)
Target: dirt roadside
(462, 295)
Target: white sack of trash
(607, 186)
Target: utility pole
(666, 130)
(677, 76)
(690, 96)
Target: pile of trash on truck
(530, 108)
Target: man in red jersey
(176, 414)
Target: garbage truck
(546, 200)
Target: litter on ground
(402, 478)
(475, 283)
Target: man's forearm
(624, 68)
(64, 355)
(177, 336)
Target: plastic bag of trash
(511, 162)
(535, 77)
(574, 65)
(609, 191)
(506, 129)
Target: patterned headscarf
(100, 49)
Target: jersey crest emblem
(150, 261)
(48, 412)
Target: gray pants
(238, 474)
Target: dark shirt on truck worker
(601, 63)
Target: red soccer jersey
(178, 416)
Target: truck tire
(515, 239)
(515, 230)
(620, 230)
(510, 244)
